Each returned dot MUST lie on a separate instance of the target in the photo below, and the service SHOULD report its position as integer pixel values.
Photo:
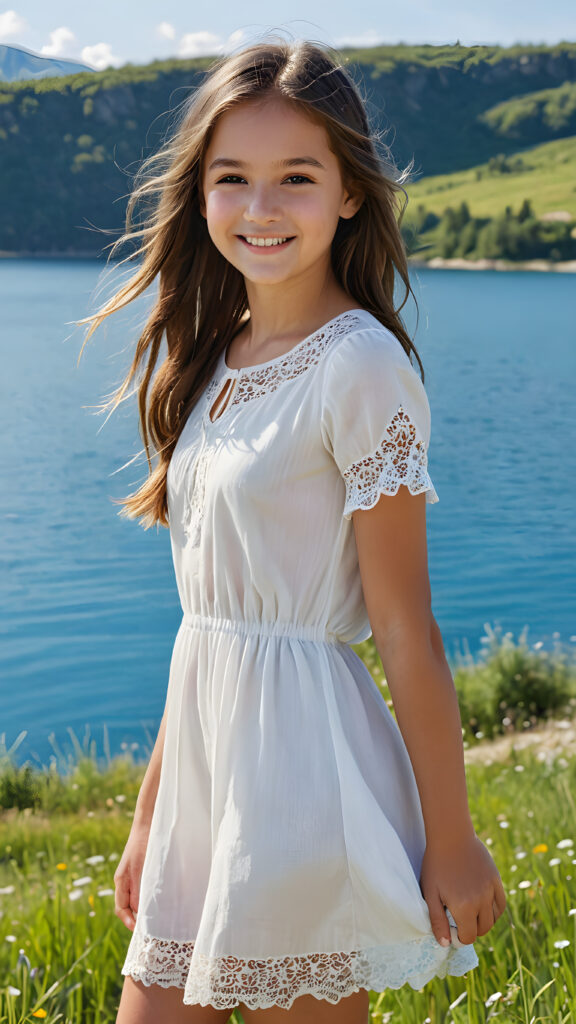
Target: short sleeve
(375, 418)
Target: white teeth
(265, 241)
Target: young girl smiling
(294, 845)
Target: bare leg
(353, 1009)
(152, 1004)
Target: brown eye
(227, 176)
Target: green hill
(69, 145)
(521, 207)
(545, 174)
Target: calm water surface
(89, 608)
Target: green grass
(548, 181)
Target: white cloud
(62, 43)
(11, 24)
(100, 56)
(198, 44)
(165, 30)
(369, 38)
(205, 44)
(237, 37)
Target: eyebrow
(224, 161)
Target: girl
(294, 845)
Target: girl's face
(269, 174)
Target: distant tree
(525, 211)
(468, 238)
(462, 214)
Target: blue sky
(114, 32)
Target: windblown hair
(201, 300)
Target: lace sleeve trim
(224, 982)
(400, 458)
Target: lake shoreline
(439, 263)
(436, 263)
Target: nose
(262, 205)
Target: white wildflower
(83, 881)
(493, 998)
(23, 960)
(562, 943)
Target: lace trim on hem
(225, 982)
(400, 458)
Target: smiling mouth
(264, 245)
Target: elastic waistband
(259, 628)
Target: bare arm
(149, 787)
(128, 873)
(393, 559)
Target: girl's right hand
(127, 876)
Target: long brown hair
(201, 298)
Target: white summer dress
(287, 836)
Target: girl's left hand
(462, 877)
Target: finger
(438, 920)
(465, 931)
(486, 919)
(122, 903)
(500, 897)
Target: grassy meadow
(63, 829)
(544, 174)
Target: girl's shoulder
(368, 358)
(365, 343)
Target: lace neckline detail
(263, 378)
(243, 370)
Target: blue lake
(88, 602)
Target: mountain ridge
(17, 63)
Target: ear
(351, 204)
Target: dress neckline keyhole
(222, 400)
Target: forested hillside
(69, 145)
